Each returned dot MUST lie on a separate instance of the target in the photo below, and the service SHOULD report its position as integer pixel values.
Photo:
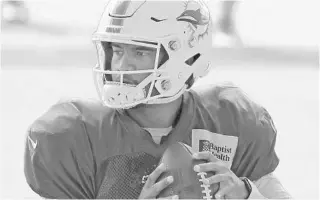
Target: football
(187, 183)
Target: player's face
(128, 57)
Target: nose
(125, 63)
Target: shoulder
(223, 93)
(236, 114)
(229, 102)
(234, 108)
(69, 125)
(60, 141)
(69, 114)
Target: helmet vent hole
(193, 59)
(165, 56)
(157, 20)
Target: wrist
(247, 186)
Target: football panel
(179, 162)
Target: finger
(159, 186)
(217, 179)
(153, 177)
(218, 167)
(205, 155)
(222, 192)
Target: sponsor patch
(222, 146)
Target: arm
(255, 157)
(58, 161)
(268, 187)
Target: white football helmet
(181, 29)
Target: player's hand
(152, 188)
(231, 187)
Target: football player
(150, 53)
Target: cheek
(140, 77)
(145, 64)
(113, 65)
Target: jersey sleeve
(58, 160)
(255, 156)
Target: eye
(117, 52)
(141, 53)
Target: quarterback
(150, 54)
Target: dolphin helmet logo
(198, 19)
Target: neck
(156, 115)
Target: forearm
(268, 187)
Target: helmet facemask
(118, 93)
